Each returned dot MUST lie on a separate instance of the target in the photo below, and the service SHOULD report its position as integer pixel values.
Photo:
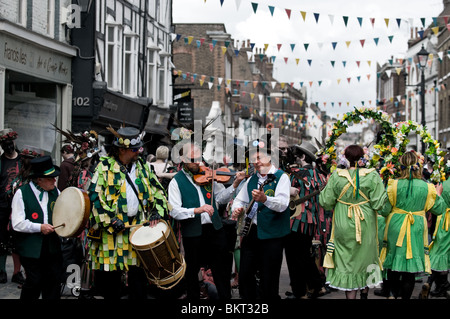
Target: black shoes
(18, 278)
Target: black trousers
(263, 256)
(301, 265)
(209, 251)
(110, 285)
(43, 275)
(401, 284)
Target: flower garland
(328, 152)
(433, 150)
(391, 146)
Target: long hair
(410, 166)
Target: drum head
(145, 235)
(69, 210)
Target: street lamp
(422, 56)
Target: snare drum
(159, 254)
(71, 212)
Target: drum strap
(124, 170)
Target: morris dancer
(405, 251)
(355, 194)
(262, 247)
(116, 205)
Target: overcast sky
(313, 39)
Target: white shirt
(222, 195)
(278, 203)
(18, 220)
(132, 200)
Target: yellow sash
(354, 211)
(445, 219)
(406, 225)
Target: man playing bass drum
(307, 223)
(262, 247)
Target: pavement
(12, 290)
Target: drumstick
(62, 225)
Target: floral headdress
(30, 153)
(84, 144)
(7, 135)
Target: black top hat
(43, 167)
(129, 138)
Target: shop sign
(24, 57)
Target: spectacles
(134, 150)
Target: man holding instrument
(307, 223)
(123, 192)
(196, 208)
(37, 244)
(262, 247)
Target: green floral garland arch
(432, 151)
(389, 149)
(328, 152)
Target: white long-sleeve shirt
(278, 203)
(222, 195)
(18, 220)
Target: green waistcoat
(30, 244)
(270, 224)
(192, 227)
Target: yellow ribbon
(406, 228)
(445, 219)
(354, 211)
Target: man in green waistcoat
(196, 208)
(38, 245)
(262, 247)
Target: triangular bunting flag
(254, 6)
(348, 43)
(288, 12)
(386, 20)
(292, 47)
(372, 20)
(272, 9)
(316, 16)
(345, 20)
(303, 13)
(360, 20)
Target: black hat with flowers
(126, 137)
(7, 135)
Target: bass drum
(71, 212)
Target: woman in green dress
(440, 246)
(405, 242)
(355, 194)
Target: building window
(51, 17)
(22, 12)
(151, 73)
(162, 80)
(113, 57)
(130, 65)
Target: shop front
(35, 88)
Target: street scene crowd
(136, 226)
